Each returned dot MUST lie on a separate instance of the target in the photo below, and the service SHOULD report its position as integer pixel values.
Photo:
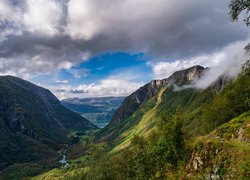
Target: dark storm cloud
(71, 30)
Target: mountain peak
(149, 90)
(180, 77)
(185, 76)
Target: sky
(88, 48)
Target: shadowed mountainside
(33, 123)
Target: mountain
(33, 123)
(145, 94)
(99, 110)
(163, 133)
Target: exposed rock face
(136, 99)
(32, 117)
(221, 82)
(186, 76)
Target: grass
(227, 153)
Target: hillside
(99, 110)
(33, 123)
(222, 154)
(173, 134)
(145, 101)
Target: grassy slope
(144, 120)
(225, 152)
(221, 153)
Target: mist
(234, 56)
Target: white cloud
(81, 21)
(8, 12)
(106, 87)
(5, 10)
(44, 36)
(231, 61)
(36, 16)
(163, 69)
(228, 60)
(43, 16)
(62, 81)
(64, 65)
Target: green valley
(98, 110)
(124, 90)
(188, 134)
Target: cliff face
(33, 123)
(136, 99)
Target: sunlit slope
(224, 153)
(144, 99)
(164, 105)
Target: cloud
(232, 59)
(53, 32)
(81, 21)
(164, 69)
(43, 16)
(79, 73)
(106, 87)
(62, 81)
(228, 61)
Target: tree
(172, 137)
(238, 6)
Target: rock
(240, 134)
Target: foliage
(149, 160)
(237, 6)
(230, 103)
(223, 152)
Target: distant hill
(99, 110)
(33, 123)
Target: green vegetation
(230, 103)
(160, 140)
(239, 6)
(98, 110)
(145, 159)
(33, 127)
(224, 152)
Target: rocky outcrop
(220, 83)
(214, 156)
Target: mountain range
(161, 131)
(99, 110)
(158, 132)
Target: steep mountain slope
(33, 123)
(146, 98)
(99, 110)
(184, 134)
(133, 102)
(224, 153)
